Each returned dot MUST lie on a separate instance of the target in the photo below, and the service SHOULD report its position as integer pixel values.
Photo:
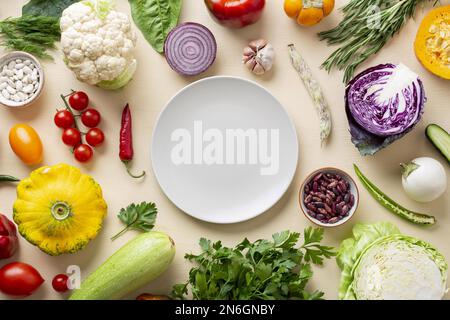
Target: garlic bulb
(259, 56)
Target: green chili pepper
(4, 178)
(391, 205)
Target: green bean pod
(391, 205)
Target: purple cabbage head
(383, 103)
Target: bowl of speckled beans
(21, 79)
(329, 197)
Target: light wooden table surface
(155, 83)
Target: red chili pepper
(8, 238)
(126, 141)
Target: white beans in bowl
(21, 79)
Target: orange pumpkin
(432, 45)
(308, 12)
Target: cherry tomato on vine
(90, 118)
(71, 137)
(83, 152)
(79, 100)
(60, 282)
(19, 279)
(63, 119)
(95, 137)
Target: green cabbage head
(380, 263)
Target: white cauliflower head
(98, 43)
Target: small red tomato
(59, 282)
(83, 152)
(71, 137)
(19, 279)
(91, 118)
(64, 119)
(79, 100)
(95, 137)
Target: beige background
(154, 84)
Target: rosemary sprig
(33, 34)
(366, 27)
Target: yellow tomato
(25, 143)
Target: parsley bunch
(262, 270)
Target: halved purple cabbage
(383, 103)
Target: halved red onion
(190, 49)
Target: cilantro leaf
(139, 217)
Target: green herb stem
(363, 31)
(123, 231)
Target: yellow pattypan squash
(59, 209)
(432, 45)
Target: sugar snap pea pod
(391, 205)
(6, 178)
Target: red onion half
(190, 49)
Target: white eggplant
(424, 179)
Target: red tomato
(64, 119)
(83, 152)
(236, 13)
(79, 100)
(19, 279)
(71, 137)
(95, 137)
(91, 118)
(59, 283)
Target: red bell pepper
(8, 238)
(236, 13)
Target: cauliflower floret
(97, 49)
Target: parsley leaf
(139, 217)
(264, 269)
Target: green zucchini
(440, 139)
(137, 263)
(391, 205)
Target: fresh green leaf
(50, 8)
(256, 270)
(155, 19)
(139, 217)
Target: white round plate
(193, 143)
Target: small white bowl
(353, 190)
(4, 60)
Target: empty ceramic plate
(224, 150)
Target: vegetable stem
(63, 97)
(124, 230)
(408, 168)
(133, 175)
(7, 178)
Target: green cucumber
(440, 139)
(391, 205)
(137, 263)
